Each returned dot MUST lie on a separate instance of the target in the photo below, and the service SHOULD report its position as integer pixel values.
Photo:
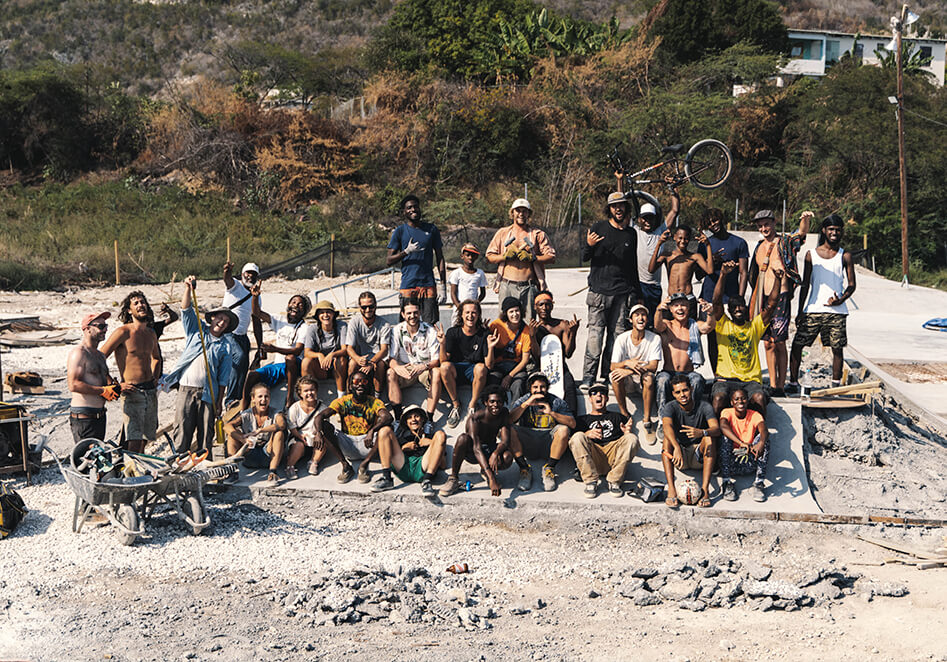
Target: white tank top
(828, 278)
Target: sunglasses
(369, 307)
(100, 325)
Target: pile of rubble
(722, 582)
(402, 595)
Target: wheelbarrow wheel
(127, 516)
(194, 509)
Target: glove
(741, 454)
(412, 247)
(111, 392)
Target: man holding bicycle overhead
(611, 248)
(519, 248)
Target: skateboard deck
(550, 363)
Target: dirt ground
(545, 584)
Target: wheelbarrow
(167, 485)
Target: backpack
(12, 509)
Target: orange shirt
(507, 349)
(744, 428)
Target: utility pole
(902, 166)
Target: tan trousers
(594, 460)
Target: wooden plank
(835, 403)
(847, 390)
(904, 549)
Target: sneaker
(313, 468)
(290, 473)
(347, 474)
(778, 393)
(453, 418)
(549, 479)
(729, 491)
(452, 486)
(526, 480)
(272, 478)
(590, 491)
(382, 484)
(792, 390)
(363, 475)
(615, 489)
(650, 436)
(759, 494)
(577, 475)
(427, 490)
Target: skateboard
(550, 363)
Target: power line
(911, 112)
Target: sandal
(704, 501)
(673, 503)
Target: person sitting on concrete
(415, 358)
(490, 443)
(636, 357)
(738, 339)
(258, 433)
(367, 340)
(291, 330)
(363, 421)
(680, 340)
(201, 396)
(414, 455)
(603, 444)
(89, 381)
(544, 324)
(302, 441)
(828, 281)
(466, 356)
(237, 298)
(324, 353)
(744, 446)
(466, 281)
(514, 350)
(543, 421)
(690, 432)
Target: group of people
(641, 341)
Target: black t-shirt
(698, 417)
(461, 348)
(609, 423)
(614, 260)
(404, 435)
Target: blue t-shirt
(724, 250)
(417, 269)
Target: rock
(539, 604)
(706, 589)
(758, 572)
(457, 594)
(678, 589)
(629, 587)
(711, 571)
(644, 573)
(824, 590)
(890, 590)
(519, 610)
(594, 594)
(643, 598)
(655, 583)
(811, 578)
(726, 645)
(785, 605)
(762, 604)
(782, 590)
(692, 605)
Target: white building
(812, 52)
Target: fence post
(332, 255)
(118, 280)
(228, 249)
(580, 229)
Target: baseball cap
(635, 308)
(678, 296)
(91, 317)
(616, 198)
(250, 266)
(598, 388)
(764, 214)
(648, 209)
(469, 248)
(520, 202)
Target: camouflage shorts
(830, 326)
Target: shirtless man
(517, 248)
(680, 339)
(478, 445)
(544, 324)
(776, 252)
(139, 364)
(89, 381)
(681, 263)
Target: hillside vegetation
(171, 126)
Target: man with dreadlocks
(139, 363)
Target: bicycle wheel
(708, 164)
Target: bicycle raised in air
(706, 165)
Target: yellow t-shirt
(738, 355)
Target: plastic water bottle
(805, 387)
(468, 486)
